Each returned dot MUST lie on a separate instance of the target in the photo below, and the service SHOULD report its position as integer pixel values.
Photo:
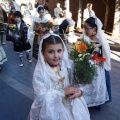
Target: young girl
(19, 39)
(55, 99)
(99, 91)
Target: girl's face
(41, 12)
(53, 54)
(18, 19)
(88, 29)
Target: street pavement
(16, 92)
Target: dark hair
(23, 4)
(18, 14)
(51, 40)
(91, 22)
(40, 8)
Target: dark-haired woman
(99, 92)
(19, 38)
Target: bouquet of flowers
(85, 61)
(13, 28)
(14, 31)
(48, 24)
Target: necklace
(56, 69)
(60, 80)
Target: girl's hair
(51, 40)
(40, 8)
(91, 22)
(18, 14)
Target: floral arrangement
(85, 61)
(13, 28)
(14, 31)
(48, 24)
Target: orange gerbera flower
(81, 48)
(49, 22)
(11, 25)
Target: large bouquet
(85, 61)
(13, 28)
(14, 31)
(48, 24)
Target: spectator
(58, 11)
(88, 12)
(67, 21)
(36, 4)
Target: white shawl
(50, 102)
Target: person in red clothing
(11, 18)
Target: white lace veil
(103, 41)
(38, 8)
(41, 66)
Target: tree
(106, 2)
(116, 26)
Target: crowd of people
(56, 98)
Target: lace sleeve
(48, 101)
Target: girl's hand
(69, 91)
(77, 94)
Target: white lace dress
(96, 93)
(50, 102)
(3, 57)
